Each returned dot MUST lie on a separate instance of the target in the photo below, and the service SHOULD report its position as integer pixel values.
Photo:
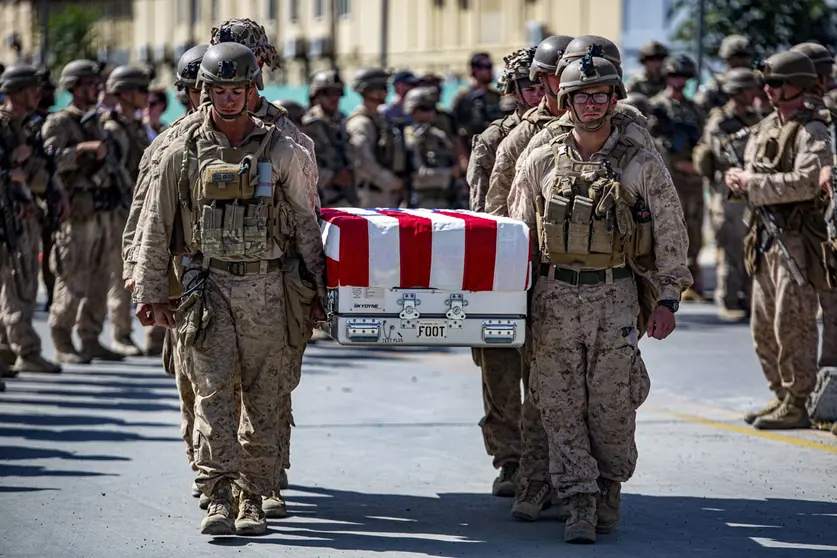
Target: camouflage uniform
(726, 215)
(785, 181)
(586, 380)
(712, 95)
(644, 82)
(248, 302)
(331, 146)
(473, 110)
(483, 156)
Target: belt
(584, 277)
(244, 268)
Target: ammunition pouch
(192, 318)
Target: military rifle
(11, 229)
(34, 129)
(774, 232)
(831, 211)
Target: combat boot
(220, 515)
(731, 315)
(506, 482)
(251, 519)
(7, 356)
(65, 352)
(196, 490)
(6, 372)
(535, 497)
(692, 295)
(608, 503)
(274, 507)
(283, 479)
(92, 349)
(771, 406)
(35, 363)
(580, 528)
(791, 414)
(125, 346)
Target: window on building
(464, 4)
(319, 8)
(271, 9)
(344, 8)
(293, 10)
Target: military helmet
(516, 68)
(740, 79)
(639, 102)
(819, 55)
(250, 34)
(548, 54)
(734, 45)
(420, 97)
(19, 77)
(295, 110)
(793, 67)
(228, 64)
(680, 65)
(78, 70)
(652, 50)
(430, 78)
(589, 71)
(126, 78)
(45, 77)
(370, 78)
(324, 81)
(599, 47)
(188, 67)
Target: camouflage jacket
(473, 110)
(331, 142)
(483, 156)
(645, 84)
(678, 124)
(130, 137)
(710, 157)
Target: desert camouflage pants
(501, 376)
(733, 284)
(17, 302)
(247, 331)
(784, 322)
(80, 265)
(116, 300)
(586, 381)
(690, 192)
(828, 349)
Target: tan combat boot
(274, 507)
(65, 352)
(534, 497)
(771, 406)
(791, 414)
(35, 363)
(251, 519)
(92, 349)
(125, 346)
(506, 482)
(608, 503)
(580, 528)
(220, 515)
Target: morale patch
(223, 174)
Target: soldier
(187, 74)
(444, 118)
(431, 151)
(402, 82)
(782, 160)
(377, 152)
(80, 258)
(48, 221)
(736, 52)
(526, 92)
(295, 111)
(127, 135)
(477, 106)
(678, 122)
(722, 144)
(823, 62)
(227, 274)
(326, 126)
(639, 101)
(650, 80)
(601, 206)
(27, 179)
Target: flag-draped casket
(426, 277)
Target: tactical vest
(433, 158)
(138, 142)
(390, 151)
(222, 215)
(89, 166)
(587, 221)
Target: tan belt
(245, 268)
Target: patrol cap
(792, 67)
(589, 71)
(737, 80)
(229, 64)
(77, 70)
(18, 77)
(547, 55)
(406, 77)
(734, 45)
(127, 78)
(367, 79)
(250, 34)
(652, 50)
(819, 55)
(420, 98)
(188, 67)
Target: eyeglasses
(598, 98)
(774, 83)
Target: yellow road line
(750, 431)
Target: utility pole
(333, 33)
(384, 32)
(700, 21)
(43, 10)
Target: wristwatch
(672, 305)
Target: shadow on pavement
(9, 453)
(38, 471)
(477, 525)
(78, 435)
(31, 419)
(139, 407)
(104, 393)
(13, 489)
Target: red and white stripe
(425, 248)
